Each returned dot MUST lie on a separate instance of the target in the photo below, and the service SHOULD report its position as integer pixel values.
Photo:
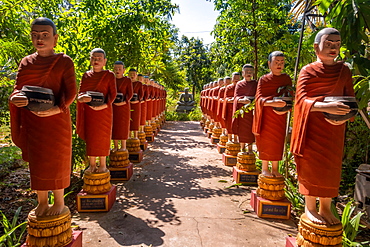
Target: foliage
(293, 195)
(244, 109)
(12, 232)
(351, 225)
(247, 31)
(356, 152)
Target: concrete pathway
(175, 199)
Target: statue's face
(221, 83)
(227, 81)
(132, 75)
(329, 47)
(248, 73)
(277, 65)
(140, 78)
(119, 70)
(97, 61)
(235, 78)
(43, 38)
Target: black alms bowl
(39, 98)
(135, 97)
(97, 98)
(119, 98)
(287, 107)
(347, 100)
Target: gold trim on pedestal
(271, 188)
(119, 159)
(96, 183)
(232, 148)
(246, 161)
(53, 231)
(223, 140)
(314, 235)
(133, 145)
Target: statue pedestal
(121, 174)
(290, 242)
(96, 183)
(246, 161)
(221, 149)
(96, 203)
(119, 159)
(311, 234)
(51, 231)
(270, 209)
(209, 134)
(271, 188)
(205, 130)
(245, 177)
(136, 157)
(144, 145)
(214, 140)
(150, 137)
(229, 160)
(76, 240)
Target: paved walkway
(175, 199)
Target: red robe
(95, 127)
(318, 145)
(121, 114)
(136, 108)
(243, 125)
(46, 142)
(221, 95)
(269, 127)
(215, 103)
(201, 101)
(144, 105)
(207, 103)
(155, 102)
(227, 111)
(149, 110)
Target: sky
(196, 19)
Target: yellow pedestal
(96, 183)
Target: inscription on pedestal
(119, 174)
(277, 210)
(231, 161)
(134, 157)
(93, 203)
(247, 178)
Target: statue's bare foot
(267, 174)
(91, 169)
(329, 217)
(314, 217)
(122, 150)
(101, 170)
(41, 209)
(55, 209)
(276, 174)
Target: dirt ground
(178, 196)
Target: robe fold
(122, 114)
(46, 142)
(221, 95)
(215, 103)
(207, 103)
(144, 104)
(316, 144)
(269, 127)
(95, 127)
(136, 108)
(227, 110)
(243, 125)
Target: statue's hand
(83, 98)
(98, 108)
(230, 100)
(48, 113)
(280, 112)
(19, 100)
(275, 103)
(244, 100)
(134, 102)
(337, 108)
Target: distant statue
(186, 102)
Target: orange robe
(149, 110)
(207, 103)
(269, 127)
(136, 108)
(221, 95)
(243, 125)
(144, 104)
(46, 142)
(121, 114)
(227, 111)
(215, 103)
(316, 144)
(95, 127)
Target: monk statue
(138, 94)
(245, 91)
(121, 108)
(186, 102)
(318, 142)
(268, 124)
(227, 111)
(94, 110)
(45, 136)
